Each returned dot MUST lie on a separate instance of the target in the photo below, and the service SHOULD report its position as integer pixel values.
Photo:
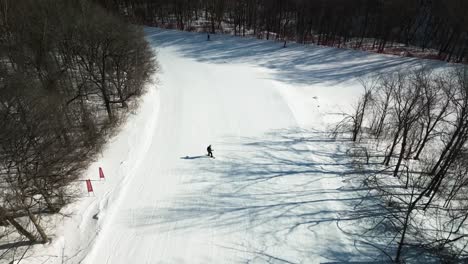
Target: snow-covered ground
(279, 188)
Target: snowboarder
(208, 37)
(210, 151)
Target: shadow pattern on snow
(298, 64)
(195, 157)
(290, 189)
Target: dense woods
(411, 133)
(379, 25)
(68, 72)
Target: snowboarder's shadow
(194, 157)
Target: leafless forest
(68, 73)
(410, 133)
(435, 29)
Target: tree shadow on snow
(299, 64)
(291, 189)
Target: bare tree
(62, 65)
(424, 107)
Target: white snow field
(279, 189)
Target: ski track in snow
(276, 192)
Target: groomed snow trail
(275, 192)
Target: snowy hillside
(279, 190)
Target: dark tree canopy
(66, 70)
(441, 25)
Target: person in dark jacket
(210, 151)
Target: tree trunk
(39, 228)
(402, 151)
(104, 90)
(422, 144)
(405, 227)
(395, 141)
(445, 151)
(22, 230)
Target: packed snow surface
(278, 190)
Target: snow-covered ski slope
(279, 189)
